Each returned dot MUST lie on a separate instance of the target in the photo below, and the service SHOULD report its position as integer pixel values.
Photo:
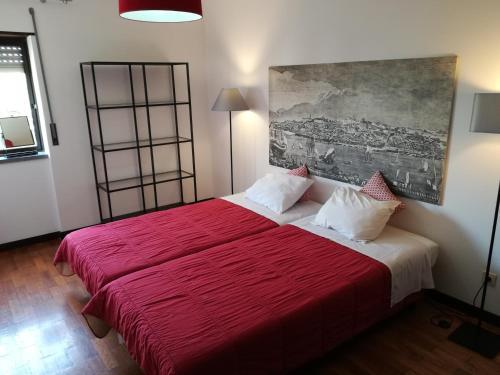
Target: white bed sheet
(298, 211)
(408, 256)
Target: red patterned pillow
(378, 189)
(302, 172)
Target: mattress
(103, 253)
(298, 211)
(409, 257)
(266, 303)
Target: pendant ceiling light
(161, 10)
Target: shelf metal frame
(182, 175)
(136, 105)
(141, 181)
(124, 146)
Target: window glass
(18, 115)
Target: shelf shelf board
(135, 182)
(127, 63)
(132, 145)
(142, 212)
(137, 105)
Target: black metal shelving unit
(101, 148)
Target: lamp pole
(230, 100)
(231, 149)
(473, 336)
(490, 256)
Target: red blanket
(106, 252)
(263, 304)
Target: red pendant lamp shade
(161, 10)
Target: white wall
(82, 31)
(244, 38)
(28, 206)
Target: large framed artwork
(348, 120)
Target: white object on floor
(121, 341)
(298, 211)
(408, 256)
(278, 191)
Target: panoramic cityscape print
(348, 120)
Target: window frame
(21, 40)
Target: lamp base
(477, 339)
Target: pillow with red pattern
(378, 189)
(302, 172)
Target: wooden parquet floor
(42, 332)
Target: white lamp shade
(486, 113)
(230, 100)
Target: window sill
(15, 159)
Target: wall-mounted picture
(348, 120)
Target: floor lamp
(230, 100)
(485, 119)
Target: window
(19, 122)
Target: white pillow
(356, 215)
(278, 192)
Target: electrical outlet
(493, 279)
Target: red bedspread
(106, 252)
(263, 304)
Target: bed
(267, 303)
(103, 253)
